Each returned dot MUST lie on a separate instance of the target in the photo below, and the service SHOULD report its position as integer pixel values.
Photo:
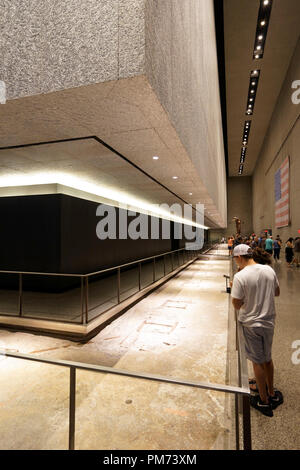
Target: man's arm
(237, 303)
(237, 291)
(277, 289)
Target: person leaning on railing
(253, 291)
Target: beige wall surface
(239, 204)
(181, 66)
(282, 140)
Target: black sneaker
(265, 409)
(276, 400)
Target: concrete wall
(239, 204)
(181, 66)
(51, 45)
(282, 140)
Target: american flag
(282, 200)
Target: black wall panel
(30, 233)
(57, 233)
(81, 249)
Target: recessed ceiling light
(252, 91)
(251, 99)
(257, 56)
(175, 177)
(155, 157)
(190, 194)
(260, 38)
(263, 23)
(258, 48)
(266, 2)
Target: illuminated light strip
(65, 182)
(115, 152)
(252, 91)
(263, 21)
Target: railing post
(82, 301)
(140, 272)
(20, 294)
(72, 400)
(86, 299)
(164, 265)
(119, 283)
(237, 421)
(246, 423)
(153, 269)
(172, 261)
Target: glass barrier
(65, 298)
(112, 412)
(34, 405)
(102, 293)
(132, 414)
(56, 298)
(159, 268)
(146, 273)
(181, 258)
(9, 294)
(175, 260)
(129, 281)
(168, 263)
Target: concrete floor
(180, 330)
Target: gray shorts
(258, 343)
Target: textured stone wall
(52, 44)
(181, 65)
(282, 140)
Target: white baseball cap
(242, 250)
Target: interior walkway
(180, 330)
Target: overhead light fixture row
(263, 20)
(253, 85)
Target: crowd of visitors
(254, 288)
(268, 247)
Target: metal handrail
(238, 391)
(243, 382)
(84, 318)
(96, 272)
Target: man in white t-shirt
(253, 291)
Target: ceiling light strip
(252, 91)
(263, 20)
